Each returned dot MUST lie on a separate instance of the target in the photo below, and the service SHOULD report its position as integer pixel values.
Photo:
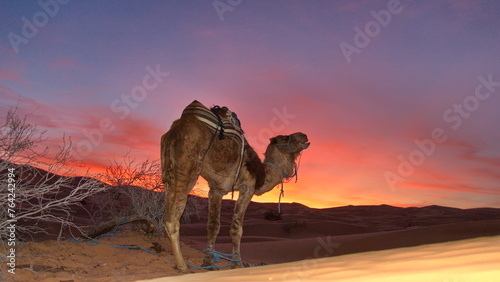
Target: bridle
(295, 166)
(285, 175)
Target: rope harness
(285, 175)
(229, 126)
(217, 255)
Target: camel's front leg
(237, 224)
(213, 226)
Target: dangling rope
(297, 165)
(239, 132)
(295, 173)
(216, 110)
(217, 255)
(282, 194)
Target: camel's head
(293, 143)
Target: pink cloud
(13, 99)
(349, 6)
(63, 63)
(11, 70)
(12, 75)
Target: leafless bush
(194, 207)
(293, 225)
(138, 189)
(272, 215)
(40, 195)
(19, 139)
(140, 185)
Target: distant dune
(342, 238)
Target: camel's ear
(276, 139)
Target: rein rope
(220, 131)
(217, 255)
(220, 125)
(215, 110)
(295, 171)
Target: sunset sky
(400, 99)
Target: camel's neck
(277, 166)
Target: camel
(195, 147)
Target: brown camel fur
(189, 150)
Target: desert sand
(467, 260)
(351, 243)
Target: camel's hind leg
(179, 173)
(176, 199)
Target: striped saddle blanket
(220, 119)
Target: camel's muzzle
(306, 145)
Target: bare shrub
(41, 196)
(293, 225)
(272, 215)
(139, 190)
(194, 207)
(19, 139)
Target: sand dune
(350, 243)
(468, 260)
(342, 258)
(299, 249)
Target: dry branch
(106, 227)
(40, 195)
